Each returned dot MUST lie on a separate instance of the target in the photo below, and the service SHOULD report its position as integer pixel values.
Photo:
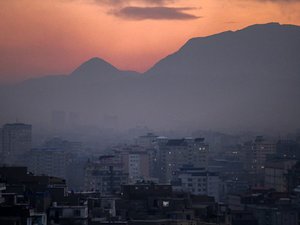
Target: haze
(39, 38)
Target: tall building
(105, 175)
(147, 141)
(293, 177)
(176, 153)
(256, 153)
(16, 138)
(288, 149)
(1, 147)
(150, 143)
(135, 163)
(48, 161)
(276, 171)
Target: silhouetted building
(134, 162)
(288, 149)
(149, 203)
(16, 142)
(257, 152)
(105, 175)
(293, 177)
(276, 173)
(147, 141)
(1, 147)
(48, 161)
(67, 215)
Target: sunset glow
(39, 38)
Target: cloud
(155, 13)
(125, 2)
(145, 9)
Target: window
(165, 203)
(76, 212)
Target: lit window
(165, 203)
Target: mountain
(247, 79)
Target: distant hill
(247, 79)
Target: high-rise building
(276, 171)
(16, 138)
(257, 152)
(150, 143)
(288, 149)
(135, 163)
(147, 141)
(176, 153)
(105, 175)
(1, 147)
(293, 177)
(48, 161)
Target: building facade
(16, 140)
(105, 175)
(176, 153)
(199, 181)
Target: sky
(45, 37)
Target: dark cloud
(122, 2)
(155, 13)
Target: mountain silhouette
(247, 79)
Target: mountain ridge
(246, 78)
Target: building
(1, 147)
(293, 177)
(149, 203)
(105, 175)
(288, 149)
(16, 140)
(48, 161)
(176, 153)
(199, 181)
(147, 141)
(2, 188)
(135, 162)
(21, 214)
(65, 215)
(257, 152)
(276, 173)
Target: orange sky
(40, 37)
